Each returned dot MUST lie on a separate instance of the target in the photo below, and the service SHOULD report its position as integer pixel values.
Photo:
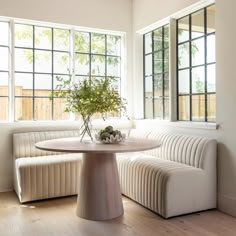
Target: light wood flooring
(57, 217)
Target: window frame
(163, 97)
(190, 40)
(72, 29)
(172, 21)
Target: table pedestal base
(99, 197)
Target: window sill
(177, 124)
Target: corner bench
(41, 174)
(177, 178)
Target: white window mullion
(11, 106)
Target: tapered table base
(99, 197)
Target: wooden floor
(57, 217)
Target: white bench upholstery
(177, 178)
(39, 174)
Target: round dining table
(99, 196)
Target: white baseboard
(227, 204)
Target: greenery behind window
(156, 73)
(196, 91)
(41, 54)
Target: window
(41, 53)
(156, 73)
(195, 69)
(4, 70)
(99, 56)
(196, 66)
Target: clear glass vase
(86, 128)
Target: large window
(4, 70)
(196, 66)
(40, 55)
(156, 73)
(98, 56)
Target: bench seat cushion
(166, 187)
(47, 176)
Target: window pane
(43, 109)
(61, 62)
(23, 108)
(58, 109)
(98, 65)
(184, 108)
(80, 78)
(158, 108)
(4, 78)
(113, 66)
(24, 60)
(82, 42)
(198, 108)
(148, 108)
(183, 29)
(4, 108)
(4, 32)
(211, 107)
(113, 45)
(198, 80)
(82, 64)
(43, 61)
(166, 108)
(23, 84)
(43, 37)
(158, 85)
(98, 43)
(198, 50)
(61, 39)
(148, 43)
(148, 87)
(183, 55)
(157, 39)
(198, 24)
(166, 60)
(4, 58)
(116, 84)
(211, 19)
(166, 36)
(211, 78)
(166, 85)
(43, 85)
(158, 62)
(23, 35)
(183, 85)
(56, 82)
(211, 53)
(148, 65)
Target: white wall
(113, 15)
(146, 12)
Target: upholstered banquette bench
(177, 178)
(41, 174)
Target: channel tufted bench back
(23, 143)
(180, 148)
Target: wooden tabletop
(75, 146)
